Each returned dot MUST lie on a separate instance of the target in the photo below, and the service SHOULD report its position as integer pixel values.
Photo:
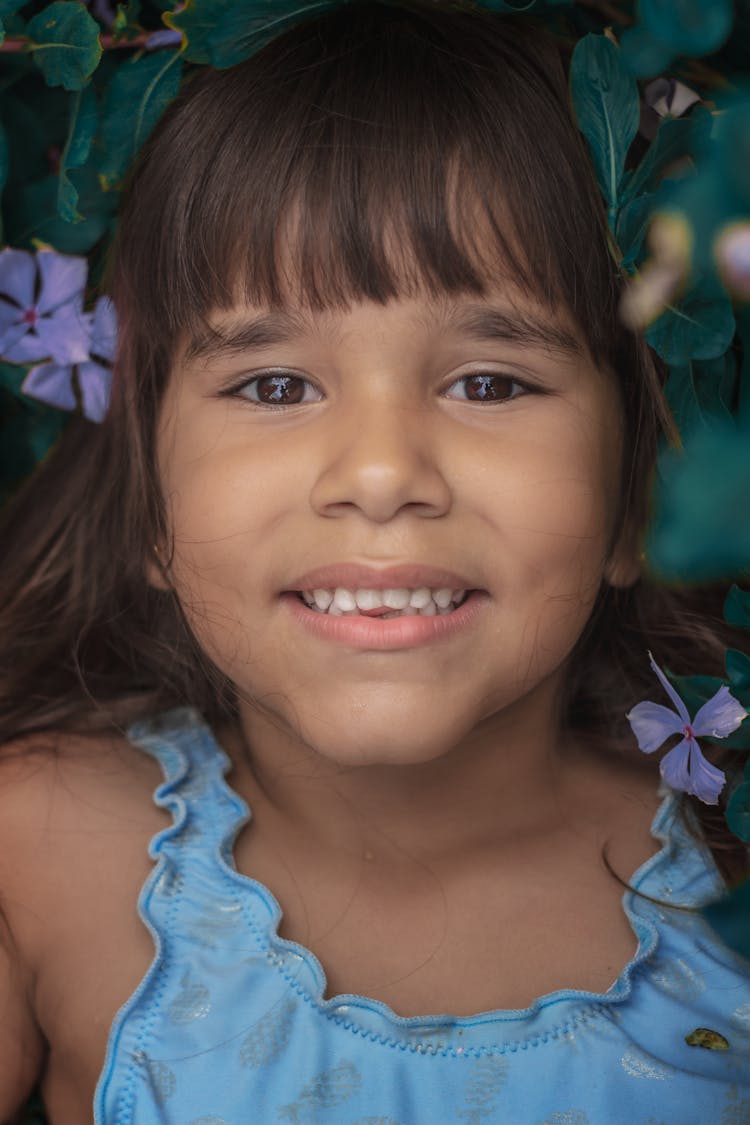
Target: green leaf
(65, 41)
(676, 138)
(34, 214)
(521, 6)
(738, 807)
(696, 690)
(730, 917)
(701, 326)
(642, 55)
(699, 530)
(83, 120)
(700, 390)
(10, 7)
(738, 670)
(743, 333)
(688, 27)
(225, 32)
(135, 100)
(738, 812)
(633, 219)
(607, 106)
(120, 22)
(4, 166)
(737, 607)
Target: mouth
(386, 605)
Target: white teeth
(367, 599)
(396, 599)
(344, 600)
(423, 601)
(420, 598)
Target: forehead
(507, 307)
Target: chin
(380, 752)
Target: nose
(380, 457)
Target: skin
(386, 459)
(375, 791)
(397, 823)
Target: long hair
(364, 122)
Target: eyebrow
(483, 322)
(214, 341)
(477, 322)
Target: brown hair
(363, 116)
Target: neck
(509, 780)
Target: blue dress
(229, 1025)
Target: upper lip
(355, 576)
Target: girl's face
(391, 449)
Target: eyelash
(234, 391)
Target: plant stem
(109, 43)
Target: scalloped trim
(161, 738)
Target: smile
(385, 604)
(386, 629)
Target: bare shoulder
(71, 809)
(66, 802)
(57, 784)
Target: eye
(490, 386)
(273, 390)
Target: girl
(317, 653)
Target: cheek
(555, 497)
(552, 523)
(222, 506)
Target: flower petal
(706, 780)
(27, 348)
(95, 381)
(681, 708)
(674, 766)
(63, 279)
(685, 768)
(9, 337)
(10, 315)
(18, 276)
(52, 383)
(720, 716)
(65, 334)
(164, 37)
(652, 724)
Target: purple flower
(41, 307)
(684, 767)
(104, 11)
(164, 37)
(667, 96)
(54, 382)
(42, 318)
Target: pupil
(277, 384)
(485, 383)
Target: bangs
(369, 154)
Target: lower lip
(399, 632)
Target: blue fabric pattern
(229, 1025)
